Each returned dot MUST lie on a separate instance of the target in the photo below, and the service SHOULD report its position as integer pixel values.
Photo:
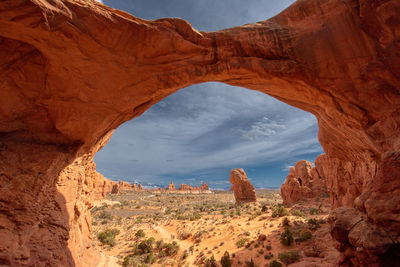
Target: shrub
(289, 257)
(146, 246)
(211, 262)
(140, 233)
(108, 237)
(287, 237)
(225, 260)
(286, 222)
(241, 242)
(304, 235)
(105, 215)
(313, 224)
(171, 249)
(150, 258)
(313, 211)
(251, 263)
(279, 211)
(298, 213)
(268, 256)
(268, 247)
(264, 208)
(275, 263)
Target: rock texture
(242, 188)
(72, 71)
(304, 182)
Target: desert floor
(159, 229)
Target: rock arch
(72, 71)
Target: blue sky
(203, 131)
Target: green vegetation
(241, 242)
(289, 257)
(279, 211)
(149, 250)
(303, 235)
(225, 260)
(251, 263)
(298, 213)
(275, 263)
(313, 211)
(108, 237)
(287, 237)
(140, 233)
(286, 222)
(313, 224)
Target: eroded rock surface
(304, 182)
(72, 71)
(242, 188)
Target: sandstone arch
(71, 71)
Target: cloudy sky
(203, 131)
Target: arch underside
(73, 71)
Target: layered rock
(72, 71)
(304, 182)
(242, 188)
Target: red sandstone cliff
(72, 71)
(304, 182)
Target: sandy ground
(219, 223)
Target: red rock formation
(72, 71)
(242, 188)
(139, 187)
(204, 187)
(134, 187)
(171, 186)
(304, 182)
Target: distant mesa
(304, 182)
(125, 186)
(242, 188)
(183, 188)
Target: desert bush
(108, 236)
(185, 255)
(268, 247)
(241, 242)
(105, 215)
(264, 208)
(211, 262)
(304, 235)
(225, 260)
(313, 211)
(140, 233)
(184, 235)
(171, 249)
(289, 257)
(150, 258)
(251, 263)
(275, 263)
(279, 211)
(134, 261)
(286, 222)
(146, 246)
(298, 213)
(268, 256)
(287, 237)
(313, 224)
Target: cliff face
(303, 182)
(72, 71)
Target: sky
(203, 131)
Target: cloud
(207, 127)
